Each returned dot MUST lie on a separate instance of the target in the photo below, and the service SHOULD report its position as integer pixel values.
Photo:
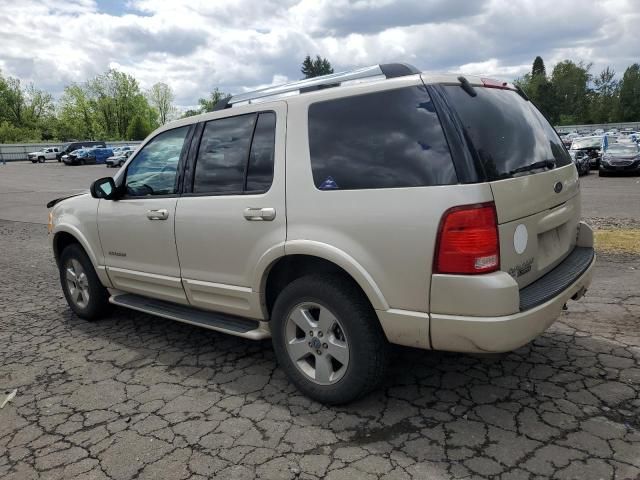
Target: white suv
(337, 215)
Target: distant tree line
(112, 106)
(573, 95)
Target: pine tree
(315, 68)
(538, 67)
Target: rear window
(506, 131)
(384, 139)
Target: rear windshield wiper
(548, 164)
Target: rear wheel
(327, 339)
(86, 296)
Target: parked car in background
(49, 153)
(77, 157)
(620, 157)
(70, 147)
(119, 159)
(581, 160)
(589, 146)
(598, 131)
(568, 138)
(99, 155)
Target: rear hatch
(533, 180)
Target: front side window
(384, 139)
(222, 156)
(154, 169)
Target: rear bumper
(504, 333)
(492, 315)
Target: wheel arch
(65, 235)
(305, 257)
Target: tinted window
(507, 132)
(260, 171)
(223, 153)
(378, 140)
(154, 169)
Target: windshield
(623, 149)
(591, 142)
(508, 133)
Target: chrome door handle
(161, 214)
(259, 214)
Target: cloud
(237, 45)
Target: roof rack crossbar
(326, 81)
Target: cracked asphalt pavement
(137, 396)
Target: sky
(238, 45)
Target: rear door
(232, 215)
(533, 180)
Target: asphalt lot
(136, 396)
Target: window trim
(190, 166)
(179, 168)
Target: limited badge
(520, 238)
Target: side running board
(242, 327)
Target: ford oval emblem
(557, 187)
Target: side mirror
(103, 188)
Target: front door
(137, 231)
(232, 216)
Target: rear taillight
(468, 241)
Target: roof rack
(375, 72)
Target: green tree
(76, 114)
(208, 103)
(570, 85)
(629, 106)
(538, 67)
(539, 89)
(138, 128)
(604, 97)
(161, 98)
(314, 68)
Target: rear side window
(260, 170)
(222, 156)
(506, 131)
(384, 139)
(236, 155)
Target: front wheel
(327, 339)
(86, 296)
(41, 159)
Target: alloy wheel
(77, 283)
(316, 343)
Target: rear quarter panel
(389, 233)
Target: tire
(332, 300)
(41, 159)
(93, 299)
(601, 173)
(34, 161)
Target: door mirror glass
(103, 188)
